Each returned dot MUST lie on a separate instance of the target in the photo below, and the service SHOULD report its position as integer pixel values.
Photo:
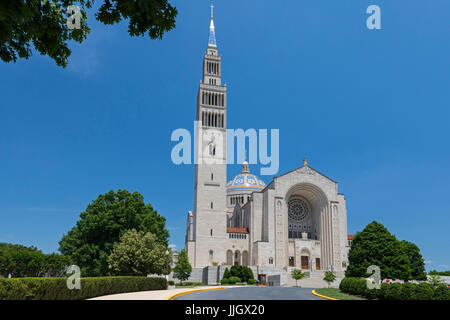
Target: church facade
(297, 220)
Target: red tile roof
(350, 236)
(237, 230)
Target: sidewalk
(154, 294)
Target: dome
(245, 182)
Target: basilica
(297, 220)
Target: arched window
(229, 257)
(211, 255)
(270, 260)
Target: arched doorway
(237, 258)
(304, 259)
(309, 213)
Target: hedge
(233, 280)
(56, 288)
(395, 291)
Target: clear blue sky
(368, 108)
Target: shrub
(356, 286)
(56, 288)
(251, 281)
(424, 291)
(171, 282)
(372, 294)
(393, 292)
(224, 281)
(408, 291)
(234, 280)
(442, 292)
(242, 272)
(226, 273)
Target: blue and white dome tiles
(245, 181)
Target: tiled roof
(350, 236)
(237, 230)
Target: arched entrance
(308, 213)
(304, 259)
(237, 258)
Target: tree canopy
(90, 242)
(42, 24)
(329, 277)
(298, 274)
(375, 245)
(416, 262)
(138, 254)
(21, 261)
(242, 272)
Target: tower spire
(212, 33)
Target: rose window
(298, 209)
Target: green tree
(90, 242)
(54, 265)
(226, 274)
(416, 262)
(43, 24)
(244, 273)
(298, 274)
(435, 280)
(329, 277)
(424, 291)
(137, 254)
(183, 268)
(25, 263)
(20, 261)
(439, 273)
(375, 245)
(442, 292)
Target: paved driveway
(253, 293)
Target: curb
(322, 296)
(191, 291)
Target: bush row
(56, 288)
(395, 291)
(236, 280)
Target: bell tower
(209, 217)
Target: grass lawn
(336, 293)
